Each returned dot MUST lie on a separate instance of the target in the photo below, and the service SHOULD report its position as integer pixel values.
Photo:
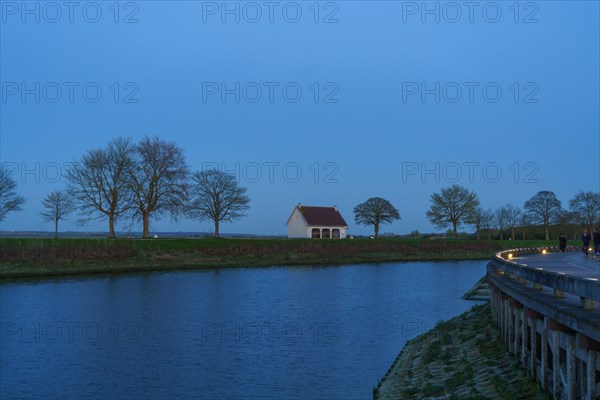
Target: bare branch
(454, 205)
(9, 200)
(216, 196)
(57, 205)
(98, 183)
(158, 180)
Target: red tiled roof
(322, 216)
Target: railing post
(555, 363)
(543, 369)
(516, 332)
(524, 339)
(590, 369)
(570, 386)
(511, 333)
(533, 345)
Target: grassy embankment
(39, 256)
(462, 358)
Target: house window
(335, 233)
(325, 234)
(316, 233)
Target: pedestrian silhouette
(585, 238)
(562, 242)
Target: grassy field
(20, 257)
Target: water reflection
(278, 332)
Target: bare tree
(57, 205)
(542, 209)
(99, 182)
(476, 221)
(158, 180)
(524, 222)
(501, 220)
(566, 222)
(216, 196)
(487, 221)
(586, 208)
(513, 216)
(10, 201)
(454, 205)
(375, 211)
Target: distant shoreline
(40, 257)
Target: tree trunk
(216, 229)
(56, 223)
(501, 234)
(489, 236)
(478, 234)
(512, 233)
(146, 223)
(546, 231)
(376, 230)
(454, 229)
(111, 226)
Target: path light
(510, 256)
(544, 251)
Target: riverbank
(461, 358)
(21, 258)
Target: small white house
(316, 222)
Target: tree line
(151, 179)
(138, 182)
(456, 206)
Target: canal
(237, 333)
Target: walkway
(570, 263)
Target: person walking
(585, 238)
(596, 240)
(562, 242)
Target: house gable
(296, 213)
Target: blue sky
(398, 99)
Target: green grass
(21, 257)
(481, 366)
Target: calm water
(270, 333)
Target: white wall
(297, 226)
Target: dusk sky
(325, 103)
